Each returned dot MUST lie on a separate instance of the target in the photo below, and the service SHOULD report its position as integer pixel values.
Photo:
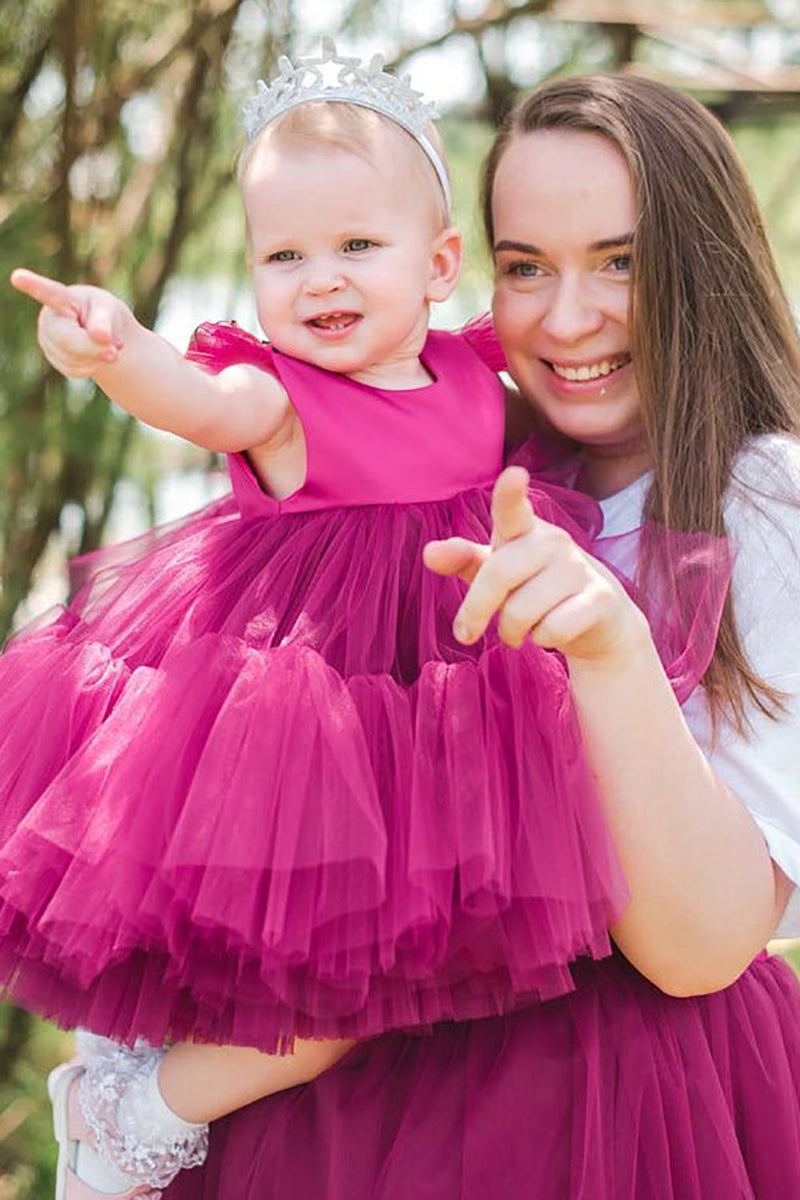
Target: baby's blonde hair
(348, 127)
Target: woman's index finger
(49, 292)
(512, 514)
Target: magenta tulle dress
(252, 788)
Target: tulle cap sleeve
(217, 345)
(480, 334)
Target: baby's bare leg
(201, 1083)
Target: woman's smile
(587, 378)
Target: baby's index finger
(46, 291)
(512, 514)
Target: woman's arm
(88, 332)
(705, 894)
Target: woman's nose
(572, 312)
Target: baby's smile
(333, 326)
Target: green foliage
(790, 951)
(116, 126)
(771, 154)
(467, 143)
(27, 1149)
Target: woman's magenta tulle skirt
(615, 1092)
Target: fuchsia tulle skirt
(251, 787)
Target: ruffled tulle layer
(251, 787)
(615, 1092)
(283, 842)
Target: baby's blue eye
(283, 256)
(356, 244)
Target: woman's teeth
(595, 371)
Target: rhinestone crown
(348, 80)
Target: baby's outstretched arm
(201, 1083)
(88, 332)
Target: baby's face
(344, 254)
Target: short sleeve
(217, 345)
(763, 769)
(480, 335)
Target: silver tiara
(333, 77)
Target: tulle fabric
(679, 580)
(615, 1092)
(252, 788)
(307, 809)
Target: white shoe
(70, 1128)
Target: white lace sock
(135, 1129)
(90, 1168)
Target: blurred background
(118, 132)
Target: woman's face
(564, 215)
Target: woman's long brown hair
(713, 341)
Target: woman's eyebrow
(520, 247)
(623, 239)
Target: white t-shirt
(764, 769)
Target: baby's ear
(447, 251)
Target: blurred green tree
(115, 122)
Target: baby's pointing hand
(539, 582)
(80, 327)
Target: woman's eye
(524, 269)
(621, 263)
(356, 244)
(283, 256)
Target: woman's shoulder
(768, 466)
(762, 518)
(763, 498)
